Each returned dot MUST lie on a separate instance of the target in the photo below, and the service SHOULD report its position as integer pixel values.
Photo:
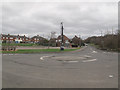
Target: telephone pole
(79, 41)
(62, 37)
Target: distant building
(76, 41)
(7, 38)
(40, 40)
(52, 42)
(37, 39)
(22, 39)
(66, 41)
(14, 38)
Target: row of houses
(38, 39)
(74, 42)
(20, 39)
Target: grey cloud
(83, 19)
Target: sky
(83, 19)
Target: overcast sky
(84, 19)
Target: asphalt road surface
(84, 68)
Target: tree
(53, 35)
(52, 39)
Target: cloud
(85, 19)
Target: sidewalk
(40, 47)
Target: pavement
(84, 68)
(41, 47)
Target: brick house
(14, 38)
(23, 39)
(76, 41)
(66, 41)
(7, 38)
(37, 39)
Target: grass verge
(38, 50)
(19, 44)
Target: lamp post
(62, 37)
(79, 41)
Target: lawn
(38, 50)
(19, 44)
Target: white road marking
(9, 54)
(42, 58)
(4, 54)
(110, 76)
(94, 52)
(90, 60)
(72, 61)
(12, 54)
(87, 56)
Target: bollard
(61, 48)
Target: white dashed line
(94, 52)
(90, 60)
(9, 54)
(87, 56)
(42, 58)
(110, 76)
(72, 61)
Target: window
(11, 37)
(66, 41)
(60, 40)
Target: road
(84, 68)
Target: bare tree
(51, 38)
(53, 35)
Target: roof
(75, 37)
(4, 35)
(38, 37)
(59, 37)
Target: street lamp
(62, 37)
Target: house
(7, 38)
(76, 41)
(66, 41)
(52, 42)
(22, 39)
(14, 38)
(37, 39)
